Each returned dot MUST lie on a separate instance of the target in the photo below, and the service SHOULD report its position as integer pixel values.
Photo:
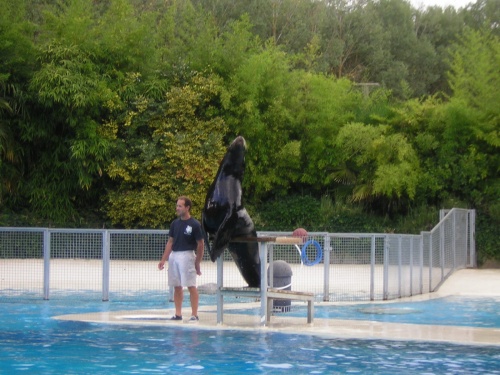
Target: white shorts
(181, 270)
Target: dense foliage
(359, 114)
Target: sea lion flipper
(224, 234)
(205, 232)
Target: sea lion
(224, 217)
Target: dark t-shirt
(185, 233)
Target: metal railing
(122, 264)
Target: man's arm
(166, 253)
(199, 255)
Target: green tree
(347, 32)
(233, 48)
(418, 120)
(441, 28)
(163, 150)
(483, 14)
(475, 78)
(473, 116)
(85, 54)
(260, 105)
(16, 56)
(186, 37)
(408, 60)
(327, 104)
(382, 165)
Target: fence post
(400, 264)
(46, 264)
(220, 284)
(105, 265)
(431, 263)
(472, 238)
(411, 266)
(385, 293)
(372, 270)
(421, 270)
(326, 269)
(263, 281)
(454, 239)
(442, 235)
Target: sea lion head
(234, 160)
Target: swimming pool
(452, 310)
(31, 341)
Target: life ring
(319, 253)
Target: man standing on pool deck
(184, 251)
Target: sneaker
(176, 317)
(193, 319)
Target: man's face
(181, 208)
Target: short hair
(187, 201)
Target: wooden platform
(272, 294)
(266, 295)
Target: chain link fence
(121, 265)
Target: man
(184, 251)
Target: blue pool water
(31, 341)
(454, 311)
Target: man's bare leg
(178, 297)
(194, 297)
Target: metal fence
(122, 264)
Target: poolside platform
(467, 282)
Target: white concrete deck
(468, 282)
